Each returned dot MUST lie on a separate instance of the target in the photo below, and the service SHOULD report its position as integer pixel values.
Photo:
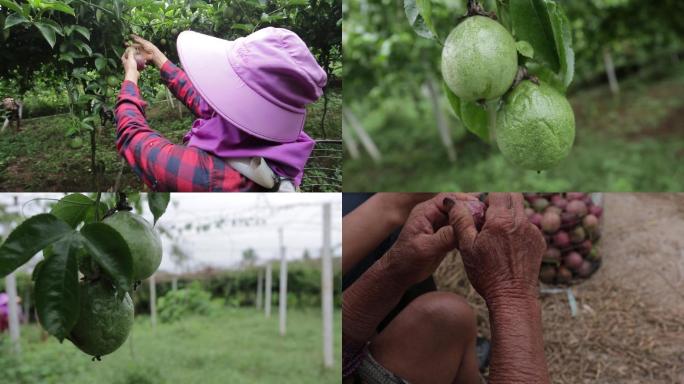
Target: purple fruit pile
(570, 223)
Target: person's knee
(446, 311)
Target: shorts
(372, 372)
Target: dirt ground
(629, 326)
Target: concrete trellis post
(260, 273)
(610, 72)
(327, 289)
(153, 301)
(267, 290)
(11, 287)
(282, 297)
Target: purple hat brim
(205, 60)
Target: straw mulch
(629, 326)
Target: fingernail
(448, 203)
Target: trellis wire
(323, 172)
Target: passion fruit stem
(122, 202)
(522, 73)
(475, 8)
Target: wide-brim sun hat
(260, 83)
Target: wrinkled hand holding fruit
(535, 127)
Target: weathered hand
(503, 259)
(424, 240)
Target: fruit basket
(571, 223)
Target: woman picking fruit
(249, 96)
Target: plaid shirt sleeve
(181, 87)
(162, 165)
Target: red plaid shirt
(161, 164)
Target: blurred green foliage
(229, 288)
(238, 288)
(624, 143)
(182, 302)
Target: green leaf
(9, 4)
(454, 101)
(83, 47)
(48, 32)
(100, 63)
(83, 31)
(36, 269)
(53, 24)
(158, 201)
(72, 209)
(57, 301)
(243, 27)
(109, 250)
(546, 75)
(28, 238)
(90, 214)
(415, 11)
(524, 48)
(563, 39)
(474, 117)
(117, 8)
(57, 6)
(67, 57)
(14, 19)
(530, 22)
(503, 13)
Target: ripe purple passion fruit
(563, 275)
(547, 274)
(140, 62)
(550, 222)
(477, 209)
(573, 260)
(577, 207)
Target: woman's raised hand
(148, 51)
(131, 72)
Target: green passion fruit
(142, 239)
(535, 128)
(479, 59)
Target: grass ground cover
(229, 346)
